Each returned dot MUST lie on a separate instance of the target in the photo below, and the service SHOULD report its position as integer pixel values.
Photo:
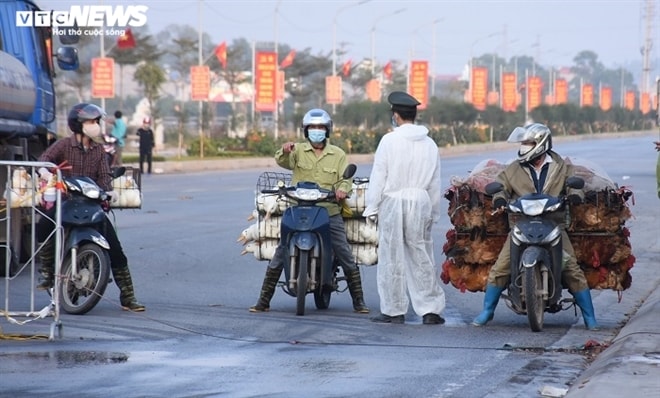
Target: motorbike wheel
(301, 282)
(322, 297)
(80, 293)
(533, 298)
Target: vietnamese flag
(346, 69)
(387, 70)
(288, 60)
(126, 41)
(221, 52)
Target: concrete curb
(631, 365)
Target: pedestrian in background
(146, 144)
(119, 133)
(404, 197)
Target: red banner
(534, 92)
(509, 97)
(645, 103)
(561, 91)
(479, 87)
(630, 100)
(587, 95)
(103, 78)
(200, 83)
(419, 82)
(373, 90)
(606, 98)
(265, 80)
(333, 94)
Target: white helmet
(537, 133)
(317, 117)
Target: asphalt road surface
(197, 337)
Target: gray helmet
(317, 117)
(537, 133)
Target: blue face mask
(316, 136)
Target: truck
(27, 104)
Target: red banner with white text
(606, 98)
(479, 87)
(419, 82)
(509, 93)
(534, 92)
(561, 91)
(630, 100)
(587, 95)
(265, 81)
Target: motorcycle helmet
(317, 117)
(537, 133)
(81, 113)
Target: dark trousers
(145, 156)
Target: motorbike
(536, 254)
(85, 270)
(310, 266)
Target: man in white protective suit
(404, 198)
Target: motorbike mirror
(350, 171)
(494, 187)
(118, 171)
(575, 182)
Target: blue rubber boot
(491, 299)
(583, 300)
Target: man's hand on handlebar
(340, 195)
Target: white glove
(112, 196)
(44, 174)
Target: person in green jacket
(319, 161)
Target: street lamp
(334, 38)
(471, 57)
(373, 38)
(334, 33)
(277, 69)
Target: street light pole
(200, 61)
(277, 72)
(373, 39)
(334, 38)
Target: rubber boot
(355, 288)
(583, 300)
(47, 268)
(491, 299)
(267, 289)
(127, 299)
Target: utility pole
(646, 49)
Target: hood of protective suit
(412, 132)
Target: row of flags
(127, 41)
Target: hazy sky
(553, 31)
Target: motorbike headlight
(533, 207)
(90, 190)
(309, 194)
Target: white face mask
(93, 131)
(316, 136)
(526, 148)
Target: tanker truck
(27, 106)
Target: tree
(145, 50)
(150, 77)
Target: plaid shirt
(91, 163)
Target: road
(198, 339)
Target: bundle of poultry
(596, 229)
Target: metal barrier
(20, 210)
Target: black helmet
(83, 112)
